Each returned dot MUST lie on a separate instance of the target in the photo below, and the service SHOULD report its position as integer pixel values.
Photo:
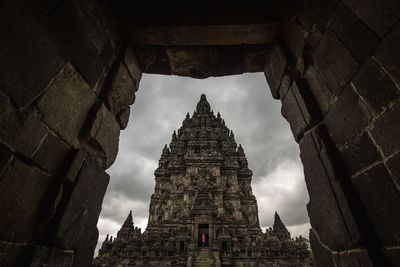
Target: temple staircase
(204, 259)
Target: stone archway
(69, 72)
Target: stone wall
(67, 82)
(68, 77)
(336, 70)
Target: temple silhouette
(203, 211)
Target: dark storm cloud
(249, 110)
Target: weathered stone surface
(22, 132)
(133, 66)
(65, 105)
(192, 62)
(325, 257)
(357, 37)
(326, 190)
(153, 60)
(285, 86)
(77, 229)
(378, 15)
(123, 118)
(359, 153)
(121, 90)
(347, 117)
(51, 153)
(293, 35)
(388, 53)
(11, 254)
(104, 132)
(297, 109)
(353, 258)
(23, 189)
(293, 114)
(318, 88)
(68, 29)
(93, 24)
(394, 166)
(44, 256)
(29, 56)
(203, 160)
(335, 62)
(386, 130)
(254, 61)
(274, 68)
(383, 212)
(76, 165)
(5, 156)
(372, 83)
(393, 255)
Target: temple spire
(174, 136)
(128, 221)
(203, 107)
(280, 228)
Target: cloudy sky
(246, 104)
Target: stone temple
(203, 211)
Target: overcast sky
(246, 104)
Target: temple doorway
(203, 236)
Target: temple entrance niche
(203, 236)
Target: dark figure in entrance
(203, 240)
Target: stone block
(76, 165)
(378, 15)
(5, 156)
(153, 60)
(383, 212)
(104, 133)
(21, 131)
(192, 62)
(328, 207)
(394, 166)
(347, 117)
(29, 56)
(386, 131)
(357, 37)
(274, 69)
(298, 111)
(254, 59)
(323, 257)
(77, 228)
(316, 13)
(68, 29)
(285, 86)
(388, 53)
(65, 105)
(44, 256)
(132, 64)
(353, 258)
(293, 36)
(318, 88)
(121, 90)
(123, 118)
(335, 62)
(11, 254)
(359, 153)
(372, 83)
(92, 23)
(51, 153)
(393, 255)
(23, 191)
